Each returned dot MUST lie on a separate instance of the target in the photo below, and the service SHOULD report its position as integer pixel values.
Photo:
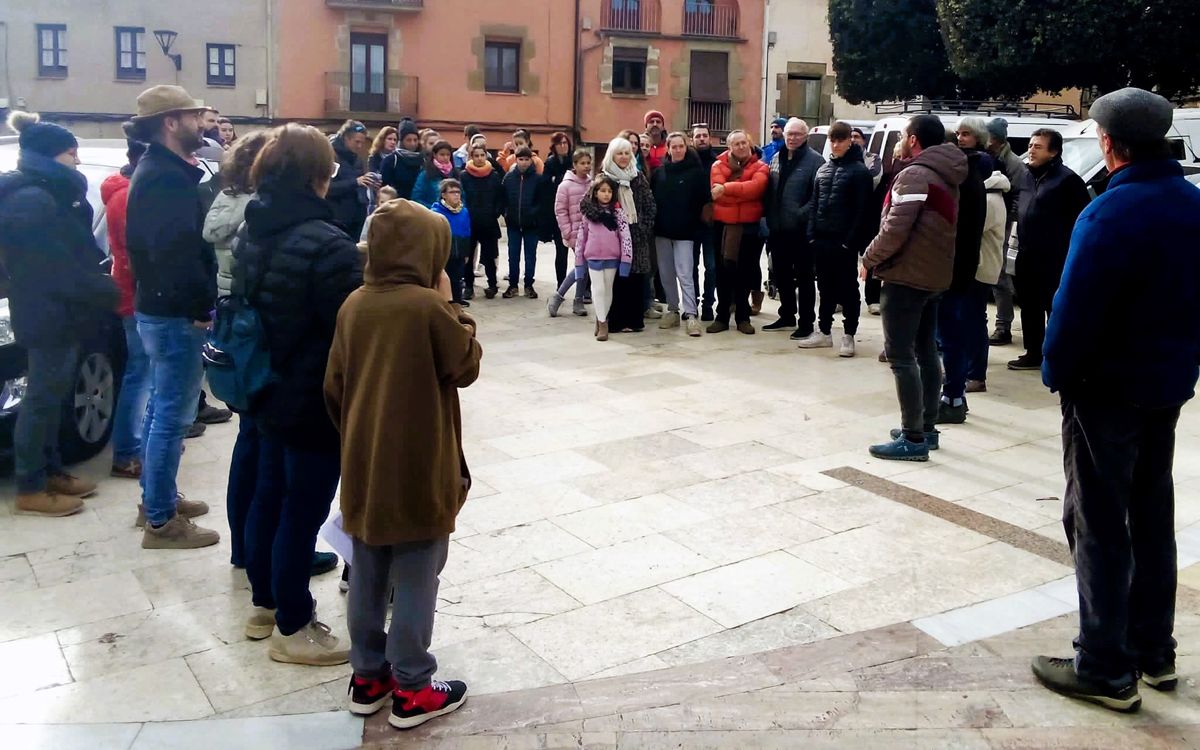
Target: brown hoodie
(399, 356)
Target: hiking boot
(511, 292)
(799, 335)
(369, 694)
(948, 414)
(901, 449)
(693, 326)
(322, 563)
(411, 708)
(816, 340)
(129, 470)
(1000, 338)
(756, 301)
(556, 301)
(932, 437)
(1059, 675)
(976, 386)
(178, 533)
(529, 293)
(780, 325)
(183, 506)
(847, 347)
(313, 645)
(873, 308)
(579, 307)
(652, 314)
(718, 326)
(212, 415)
(745, 327)
(65, 484)
(706, 313)
(47, 504)
(602, 331)
(1162, 678)
(260, 624)
(669, 320)
(490, 292)
(1026, 362)
(196, 430)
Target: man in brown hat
(175, 271)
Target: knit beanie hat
(653, 113)
(43, 138)
(779, 121)
(408, 127)
(997, 128)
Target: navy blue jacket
(1051, 198)
(1132, 274)
(57, 287)
(521, 191)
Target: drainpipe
(575, 130)
(766, 46)
(270, 60)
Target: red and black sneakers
(368, 694)
(411, 708)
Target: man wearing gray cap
(1133, 250)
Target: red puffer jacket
(114, 191)
(742, 202)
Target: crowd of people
(347, 279)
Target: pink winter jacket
(566, 205)
(597, 242)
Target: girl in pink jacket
(603, 246)
(571, 190)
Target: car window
(892, 139)
(876, 140)
(816, 141)
(1082, 155)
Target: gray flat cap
(1133, 115)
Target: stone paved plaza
(671, 542)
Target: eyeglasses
(452, 191)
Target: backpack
(236, 353)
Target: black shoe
(948, 414)
(369, 694)
(322, 563)
(1026, 362)
(529, 293)
(344, 584)
(780, 325)
(411, 708)
(490, 292)
(800, 333)
(196, 430)
(1000, 338)
(706, 314)
(469, 294)
(511, 292)
(719, 326)
(213, 415)
(1162, 678)
(464, 303)
(1059, 675)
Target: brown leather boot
(602, 331)
(47, 504)
(756, 302)
(65, 484)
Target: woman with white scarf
(637, 201)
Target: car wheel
(89, 410)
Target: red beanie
(653, 113)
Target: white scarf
(623, 177)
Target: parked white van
(818, 137)
(1081, 148)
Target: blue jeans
(516, 238)
(295, 490)
(51, 376)
(135, 393)
(243, 480)
(962, 327)
(176, 373)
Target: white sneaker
(816, 340)
(652, 314)
(873, 308)
(847, 348)
(693, 326)
(313, 645)
(669, 320)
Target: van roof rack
(989, 107)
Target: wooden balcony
(714, 114)
(347, 98)
(719, 19)
(386, 6)
(631, 16)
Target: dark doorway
(368, 72)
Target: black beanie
(407, 127)
(43, 138)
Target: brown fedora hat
(163, 99)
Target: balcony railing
(712, 18)
(714, 114)
(387, 6)
(349, 96)
(643, 16)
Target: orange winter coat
(742, 202)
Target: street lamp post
(166, 38)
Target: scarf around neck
(606, 215)
(449, 208)
(483, 171)
(624, 179)
(443, 168)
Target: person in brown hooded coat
(400, 353)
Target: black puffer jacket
(485, 201)
(680, 193)
(841, 198)
(789, 200)
(56, 288)
(307, 266)
(556, 167)
(972, 213)
(400, 169)
(521, 190)
(346, 197)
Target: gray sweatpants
(410, 573)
